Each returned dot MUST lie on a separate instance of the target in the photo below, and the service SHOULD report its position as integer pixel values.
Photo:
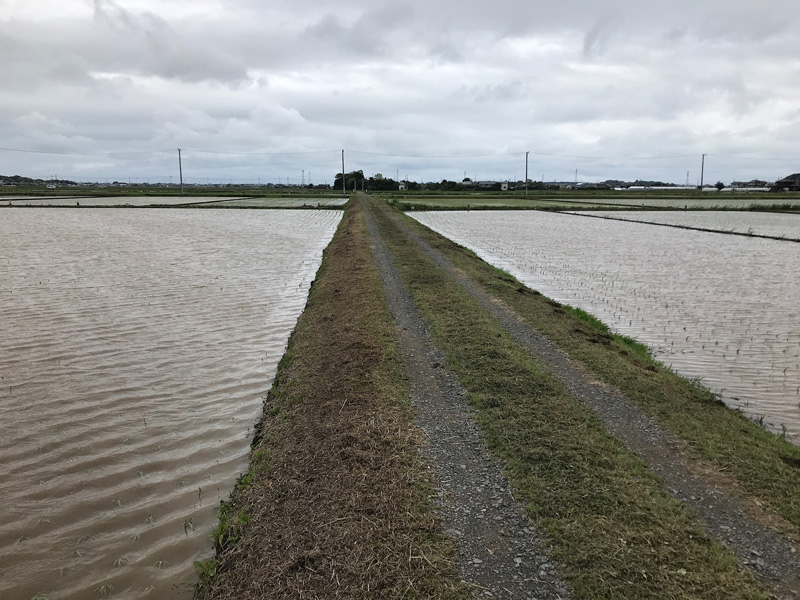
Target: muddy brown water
(136, 348)
(719, 308)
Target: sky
(268, 91)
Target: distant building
(489, 185)
(787, 184)
(753, 183)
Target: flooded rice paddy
(785, 225)
(708, 201)
(137, 347)
(108, 200)
(213, 201)
(719, 308)
(310, 202)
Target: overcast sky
(428, 89)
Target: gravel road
(500, 552)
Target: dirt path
(772, 557)
(500, 551)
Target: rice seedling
(104, 590)
(684, 320)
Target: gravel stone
(720, 512)
(473, 496)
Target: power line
(523, 152)
(740, 157)
(435, 155)
(141, 152)
(83, 153)
(259, 153)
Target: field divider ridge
(500, 550)
(770, 555)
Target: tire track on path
(770, 555)
(499, 550)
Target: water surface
(786, 225)
(137, 346)
(719, 308)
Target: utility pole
(344, 191)
(702, 169)
(180, 169)
(526, 173)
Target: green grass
(766, 465)
(584, 200)
(607, 517)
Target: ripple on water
(137, 348)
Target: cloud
(615, 78)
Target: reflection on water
(716, 307)
(295, 201)
(785, 225)
(136, 349)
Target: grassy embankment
(590, 200)
(609, 520)
(172, 190)
(336, 500)
(766, 466)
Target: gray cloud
(615, 79)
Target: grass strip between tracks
(766, 466)
(336, 502)
(619, 534)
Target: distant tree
(351, 179)
(381, 184)
(450, 186)
(719, 185)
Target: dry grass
(336, 502)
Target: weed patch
(608, 518)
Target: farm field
(194, 201)
(286, 202)
(691, 200)
(756, 223)
(137, 347)
(717, 308)
(589, 200)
